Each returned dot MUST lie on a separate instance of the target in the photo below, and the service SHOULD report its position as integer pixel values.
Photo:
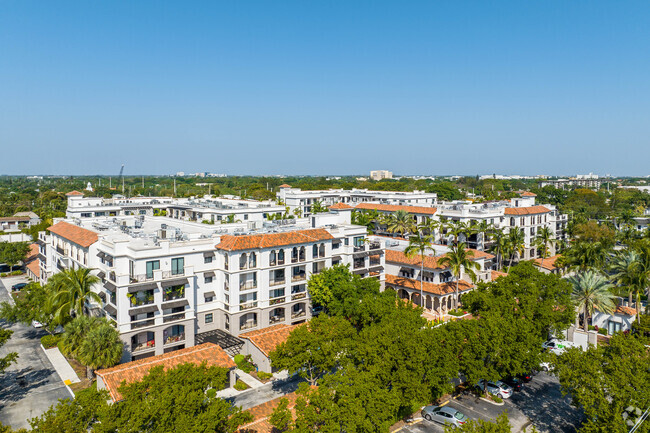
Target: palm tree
(499, 246)
(591, 291)
(364, 219)
(75, 332)
(297, 212)
(318, 207)
(418, 246)
(102, 348)
(71, 290)
(401, 222)
(586, 255)
(429, 227)
(457, 228)
(459, 260)
(230, 219)
(543, 241)
(516, 243)
(483, 229)
(626, 271)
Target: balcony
(374, 246)
(296, 296)
(248, 325)
(141, 278)
(247, 285)
(374, 263)
(276, 319)
(297, 314)
(174, 317)
(247, 306)
(143, 346)
(359, 249)
(143, 323)
(299, 277)
(277, 301)
(277, 282)
(175, 338)
(60, 251)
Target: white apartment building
(381, 174)
(170, 284)
(590, 180)
(297, 198)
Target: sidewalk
(61, 365)
(248, 379)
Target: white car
(497, 388)
(36, 324)
(557, 346)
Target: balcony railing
(301, 295)
(143, 346)
(277, 301)
(359, 264)
(299, 277)
(277, 282)
(295, 315)
(374, 245)
(248, 325)
(375, 263)
(247, 306)
(60, 250)
(174, 317)
(143, 323)
(141, 278)
(175, 338)
(247, 285)
(276, 319)
(359, 249)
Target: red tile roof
(549, 263)
(436, 289)
(528, 194)
(262, 412)
(529, 210)
(249, 242)
(33, 252)
(268, 339)
(130, 372)
(35, 267)
(341, 206)
(74, 193)
(430, 262)
(284, 185)
(76, 234)
(395, 208)
(497, 274)
(628, 311)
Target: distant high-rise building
(381, 174)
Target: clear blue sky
(325, 87)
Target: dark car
(4, 269)
(514, 382)
(526, 377)
(18, 286)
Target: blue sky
(325, 87)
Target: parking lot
(540, 403)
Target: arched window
(512, 222)
(321, 250)
(281, 257)
(272, 258)
(252, 260)
(302, 254)
(173, 334)
(294, 255)
(243, 259)
(315, 250)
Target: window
(358, 241)
(209, 298)
(208, 318)
(276, 293)
(227, 323)
(272, 258)
(281, 257)
(252, 261)
(315, 251)
(178, 266)
(174, 292)
(153, 265)
(207, 259)
(243, 261)
(208, 279)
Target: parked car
(497, 388)
(37, 324)
(18, 286)
(556, 346)
(4, 269)
(545, 366)
(526, 377)
(515, 383)
(444, 415)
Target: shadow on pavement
(15, 384)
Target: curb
(492, 402)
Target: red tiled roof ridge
(394, 208)
(430, 262)
(433, 288)
(75, 192)
(623, 309)
(526, 210)
(284, 185)
(341, 205)
(549, 262)
(268, 240)
(76, 234)
(268, 339)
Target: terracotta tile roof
(130, 372)
(549, 263)
(33, 252)
(250, 242)
(284, 185)
(267, 339)
(497, 274)
(76, 234)
(394, 208)
(528, 210)
(15, 218)
(35, 267)
(436, 289)
(261, 414)
(528, 194)
(628, 311)
(74, 193)
(341, 206)
(430, 262)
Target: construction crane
(122, 176)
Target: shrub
(593, 328)
(497, 399)
(17, 273)
(240, 386)
(457, 313)
(264, 375)
(238, 359)
(244, 363)
(602, 331)
(2, 275)
(50, 341)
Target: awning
(110, 310)
(101, 274)
(175, 304)
(176, 282)
(208, 254)
(360, 271)
(101, 254)
(110, 287)
(208, 295)
(208, 274)
(140, 288)
(142, 310)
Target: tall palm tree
(318, 207)
(516, 243)
(401, 222)
(102, 348)
(429, 227)
(543, 241)
(71, 290)
(75, 333)
(457, 228)
(626, 271)
(591, 291)
(586, 255)
(418, 246)
(499, 246)
(483, 230)
(458, 259)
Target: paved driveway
(30, 387)
(540, 403)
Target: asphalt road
(253, 397)
(30, 387)
(540, 403)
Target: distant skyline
(325, 88)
